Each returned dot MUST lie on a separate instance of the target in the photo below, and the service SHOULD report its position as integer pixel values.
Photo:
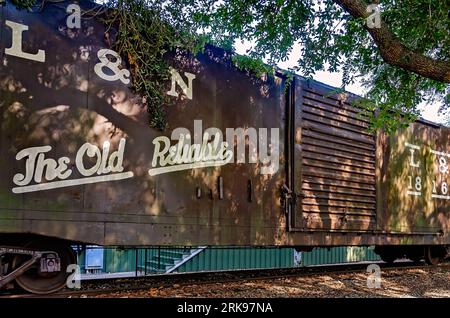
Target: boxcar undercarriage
(43, 265)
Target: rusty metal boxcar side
(336, 178)
(332, 183)
(63, 103)
(413, 180)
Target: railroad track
(104, 286)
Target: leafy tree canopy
(398, 49)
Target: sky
(428, 112)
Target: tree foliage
(142, 32)
(24, 4)
(146, 32)
(401, 64)
(331, 38)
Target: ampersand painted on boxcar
(118, 74)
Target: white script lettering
(205, 153)
(44, 170)
(183, 155)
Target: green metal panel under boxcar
(341, 254)
(120, 260)
(248, 258)
(226, 258)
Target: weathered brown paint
(338, 164)
(341, 172)
(399, 211)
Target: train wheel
(36, 282)
(433, 255)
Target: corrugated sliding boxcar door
(336, 162)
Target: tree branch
(393, 51)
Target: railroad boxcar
(242, 160)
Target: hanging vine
(145, 32)
(143, 35)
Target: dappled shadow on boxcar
(338, 162)
(409, 189)
(227, 98)
(55, 103)
(64, 103)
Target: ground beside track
(423, 282)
